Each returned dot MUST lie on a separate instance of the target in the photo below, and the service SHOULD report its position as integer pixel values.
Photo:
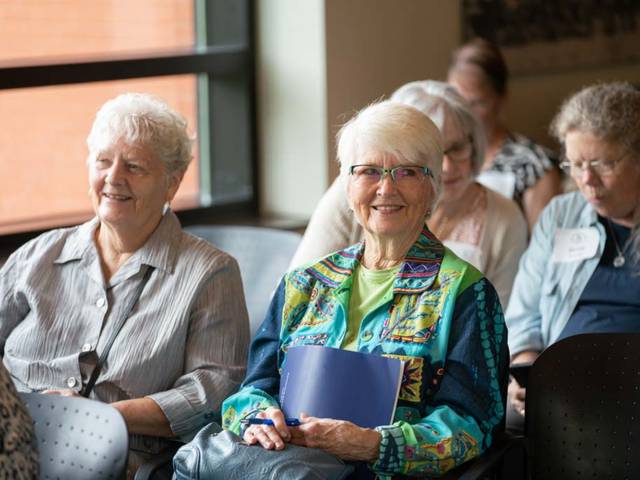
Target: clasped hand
(341, 438)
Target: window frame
(223, 60)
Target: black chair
(78, 438)
(263, 255)
(583, 409)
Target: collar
(159, 251)
(418, 272)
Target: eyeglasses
(402, 174)
(459, 151)
(601, 167)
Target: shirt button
(100, 303)
(71, 382)
(86, 347)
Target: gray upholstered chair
(78, 438)
(263, 255)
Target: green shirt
(368, 291)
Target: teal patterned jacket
(443, 318)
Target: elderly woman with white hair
(399, 293)
(127, 308)
(479, 225)
(580, 272)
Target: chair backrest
(263, 255)
(583, 408)
(78, 438)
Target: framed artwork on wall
(545, 36)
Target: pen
(291, 422)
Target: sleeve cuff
(521, 343)
(183, 418)
(391, 455)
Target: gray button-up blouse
(184, 344)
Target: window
(61, 59)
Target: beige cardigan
(504, 238)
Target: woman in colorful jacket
(580, 272)
(399, 293)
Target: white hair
(390, 128)
(143, 119)
(438, 99)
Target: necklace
(619, 260)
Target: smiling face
(129, 187)
(389, 208)
(457, 173)
(615, 195)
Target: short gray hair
(143, 119)
(610, 111)
(392, 128)
(436, 99)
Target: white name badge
(573, 244)
(501, 182)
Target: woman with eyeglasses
(580, 272)
(479, 225)
(513, 165)
(398, 293)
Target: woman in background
(513, 165)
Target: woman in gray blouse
(182, 346)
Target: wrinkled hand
(343, 439)
(516, 395)
(65, 392)
(269, 437)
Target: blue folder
(340, 384)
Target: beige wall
(534, 100)
(374, 46)
(363, 50)
(291, 88)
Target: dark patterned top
(525, 160)
(18, 454)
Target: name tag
(573, 244)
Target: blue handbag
(219, 454)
